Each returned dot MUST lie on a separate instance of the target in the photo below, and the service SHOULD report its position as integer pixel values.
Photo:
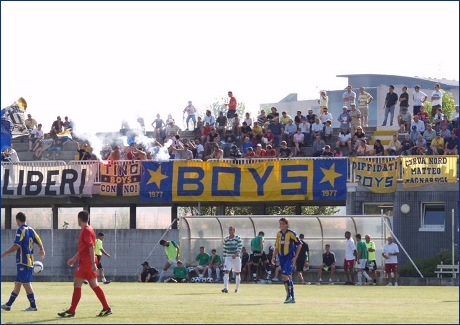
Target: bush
(427, 266)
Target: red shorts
(348, 264)
(83, 271)
(391, 267)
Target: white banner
(24, 179)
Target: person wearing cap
(285, 152)
(403, 99)
(98, 251)
(355, 116)
(414, 133)
(364, 99)
(419, 97)
(419, 124)
(148, 274)
(249, 153)
(436, 99)
(349, 96)
(437, 145)
(389, 106)
(344, 118)
(404, 117)
(259, 152)
(395, 146)
(328, 264)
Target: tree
(448, 105)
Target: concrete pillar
(221, 209)
(8, 217)
(132, 216)
(298, 209)
(55, 219)
(174, 216)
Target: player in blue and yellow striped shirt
(287, 247)
(23, 245)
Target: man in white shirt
(350, 256)
(36, 135)
(436, 100)
(419, 124)
(390, 253)
(419, 98)
(344, 139)
(349, 96)
(455, 115)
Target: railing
(351, 172)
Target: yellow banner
(377, 177)
(425, 170)
(120, 178)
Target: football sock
(75, 299)
(237, 281)
(209, 272)
(226, 277)
(31, 298)
(12, 298)
(101, 296)
(291, 288)
(367, 276)
(286, 286)
(360, 277)
(218, 273)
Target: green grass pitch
(148, 303)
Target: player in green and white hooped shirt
(232, 258)
(172, 251)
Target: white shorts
(361, 264)
(173, 262)
(200, 267)
(232, 264)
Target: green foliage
(254, 210)
(427, 105)
(427, 266)
(219, 106)
(448, 104)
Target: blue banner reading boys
(156, 181)
(330, 179)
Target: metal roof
(376, 79)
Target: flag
(14, 114)
(6, 135)
(65, 135)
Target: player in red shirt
(231, 106)
(86, 268)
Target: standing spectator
(349, 96)
(172, 251)
(404, 99)
(86, 268)
(303, 258)
(371, 265)
(390, 102)
(436, 100)
(323, 100)
(318, 146)
(158, 126)
(30, 123)
(390, 253)
(34, 136)
(23, 245)
(245, 264)
(99, 251)
(115, 154)
(395, 146)
(148, 274)
(190, 109)
(285, 152)
(172, 129)
(451, 145)
(215, 264)
(344, 118)
(404, 118)
(355, 117)
(232, 258)
(327, 265)
(361, 259)
(287, 247)
(419, 97)
(258, 254)
(203, 260)
(56, 127)
(231, 106)
(350, 255)
(364, 99)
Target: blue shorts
(231, 113)
(23, 274)
(286, 265)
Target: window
(433, 216)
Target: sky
(101, 62)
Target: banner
(120, 178)
(424, 170)
(284, 180)
(23, 179)
(377, 177)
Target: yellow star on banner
(156, 177)
(330, 175)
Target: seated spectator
(423, 116)
(246, 144)
(148, 274)
(327, 265)
(259, 152)
(269, 151)
(67, 124)
(451, 146)
(261, 118)
(199, 149)
(328, 130)
(394, 147)
(245, 129)
(180, 273)
(276, 129)
(273, 114)
(420, 146)
(414, 133)
(205, 131)
(209, 119)
(362, 149)
(229, 140)
(429, 134)
(402, 132)
(203, 260)
(419, 124)
(236, 126)
(407, 145)
(199, 126)
(217, 153)
(289, 130)
(181, 152)
(235, 153)
(324, 116)
(298, 118)
(56, 127)
(285, 152)
(358, 137)
(212, 140)
(30, 123)
(221, 123)
(56, 148)
(248, 119)
(83, 154)
(344, 139)
(298, 139)
(379, 150)
(35, 137)
(311, 118)
(338, 152)
(44, 145)
(318, 146)
(445, 132)
(305, 129)
(268, 138)
(404, 118)
(215, 264)
(257, 129)
(284, 118)
(437, 119)
(327, 152)
(317, 128)
(437, 145)
(10, 155)
(249, 153)
(191, 147)
(344, 118)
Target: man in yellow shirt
(437, 145)
(98, 251)
(371, 264)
